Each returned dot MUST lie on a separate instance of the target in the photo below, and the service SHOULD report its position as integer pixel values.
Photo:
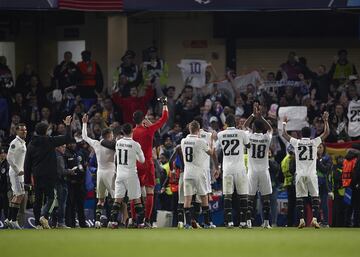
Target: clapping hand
(85, 118)
(325, 116)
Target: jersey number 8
(189, 154)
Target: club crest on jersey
(203, 1)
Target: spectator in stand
(6, 79)
(109, 112)
(291, 69)
(35, 88)
(321, 84)
(155, 68)
(127, 74)
(338, 128)
(19, 106)
(66, 73)
(341, 69)
(188, 112)
(90, 77)
(22, 84)
(128, 105)
(323, 167)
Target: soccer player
(105, 167)
(195, 151)
(258, 163)
(209, 138)
(232, 142)
(127, 153)
(16, 158)
(144, 135)
(306, 180)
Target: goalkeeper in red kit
(144, 134)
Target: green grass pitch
(220, 242)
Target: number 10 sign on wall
(193, 71)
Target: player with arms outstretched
(144, 135)
(306, 180)
(127, 153)
(258, 164)
(232, 142)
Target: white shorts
(195, 186)
(208, 181)
(17, 184)
(131, 185)
(181, 188)
(239, 181)
(306, 185)
(105, 183)
(260, 181)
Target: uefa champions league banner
(235, 5)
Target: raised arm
(84, 135)
(326, 132)
(62, 140)
(164, 117)
(285, 134)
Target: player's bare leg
(14, 207)
(300, 210)
(315, 202)
(266, 210)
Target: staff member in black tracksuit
(40, 163)
(76, 187)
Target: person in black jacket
(40, 163)
(355, 186)
(4, 186)
(61, 186)
(76, 187)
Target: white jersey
(232, 143)
(194, 152)
(16, 155)
(207, 137)
(305, 155)
(193, 71)
(258, 153)
(128, 152)
(354, 118)
(104, 156)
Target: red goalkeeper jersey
(145, 135)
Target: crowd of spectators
(77, 89)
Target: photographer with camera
(76, 186)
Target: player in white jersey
(105, 168)
(232, 142)
(306, 180)
(16, 158)
(258, 162)
(209, 138)
(195, 151)
(127, 181)
(354, 119)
